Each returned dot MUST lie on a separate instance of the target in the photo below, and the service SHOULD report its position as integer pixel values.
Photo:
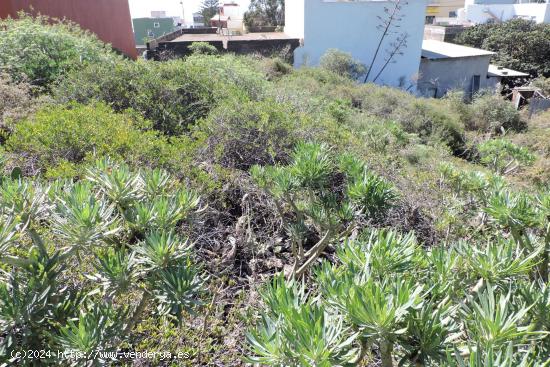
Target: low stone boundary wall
(264, 47)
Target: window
(156, 25)
(452, 14)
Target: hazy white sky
(143, 8)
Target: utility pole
(182, 14)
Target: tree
(209, 8)
(520, 44)
(265, 13)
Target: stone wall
(265, 47)
(262, 47)
(177, 49)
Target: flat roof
(245, 37)
(495, 70)
(435, 50)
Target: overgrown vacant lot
(237, 211)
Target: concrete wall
(444, 75)
(442, 33)
(108, 19)
(351, 26)
(178, 49)
(477, 13)
(265, 47)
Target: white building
(484, 11)
(230, 16)
(198, 20)
(446, 66)
(353, 26)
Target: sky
(143, 8)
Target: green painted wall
(145, 28)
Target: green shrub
(243, 134)
(58, 135)
(169, 94)
(323, 193)
(486, 113)
(116, 279)
(38, 50)
(342, 63)
(387, 291)
(273, 67)
(491, 113)
(431, 120)
(298, 331)
(172, 94)
(543, 84)
(16, 102)
(203, 48)
(306, 90)
(503, 156)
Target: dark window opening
(476, 81)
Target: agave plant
(156, 183)
(372, 193)
(376, 309)
(537, 294)
(8, 233)
(503, 156)
(29, 296)
(162, 212)
(475, 185)
(442, 276)
(161, 250)
(178, 289)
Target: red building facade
(110, 20)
